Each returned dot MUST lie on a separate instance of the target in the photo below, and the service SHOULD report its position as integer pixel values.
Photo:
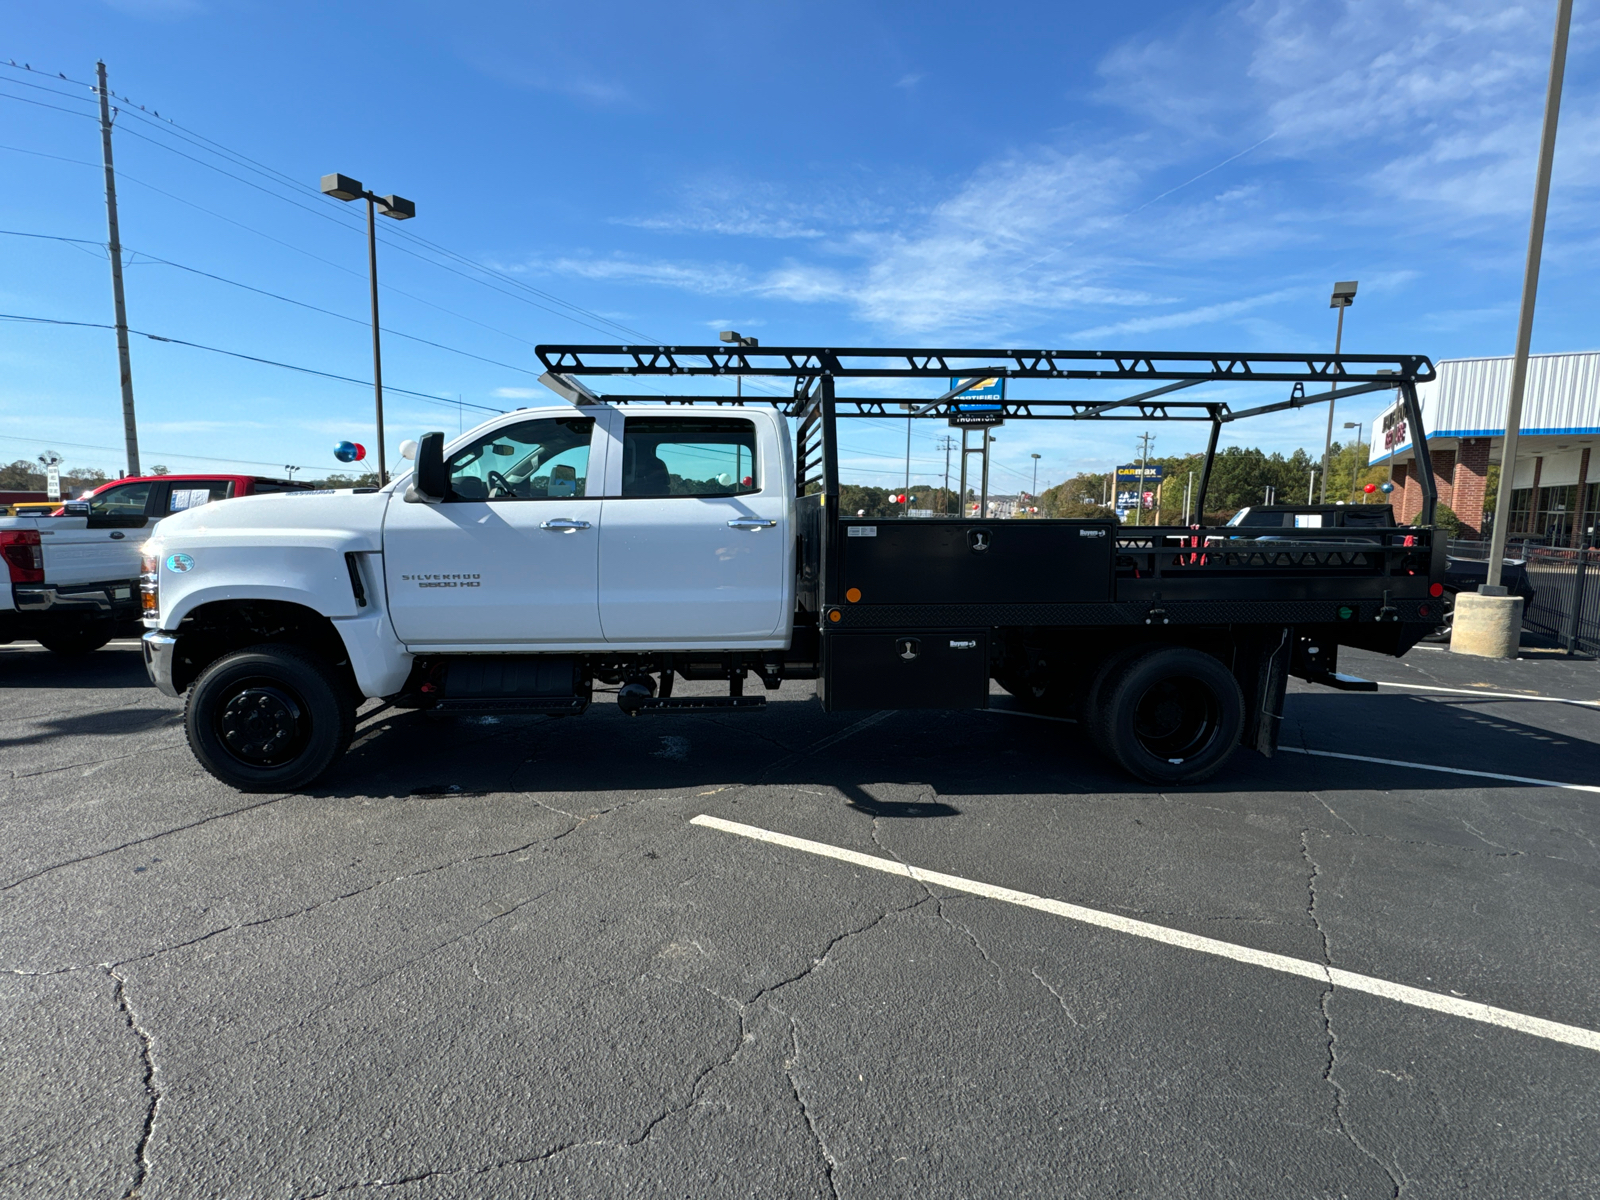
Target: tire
(1094, 697)
(269, 718)
(1171, 715)
(70, 643)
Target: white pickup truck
(632, 540)
(74, 572)
(73, 579)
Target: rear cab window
(192, 493)
(689, 456)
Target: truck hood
(347, 520)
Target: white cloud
(1205, 315)
(909, 80)
(517, 393)
(1332, 130)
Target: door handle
(564, 525)
(750, 523)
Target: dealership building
(1556, 489)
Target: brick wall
(1470, 486)
(1407, 493)
(1444, 476)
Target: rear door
(104, 547)
(512, 556)
(694, 545)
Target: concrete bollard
(1488, 626)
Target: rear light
(24, 555)
(150, 585)
(1436, 590)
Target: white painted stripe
(1396, 762)
(1555, 1031)
(1423, 687)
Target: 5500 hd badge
(442, 581)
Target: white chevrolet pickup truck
(632, 540)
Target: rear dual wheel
(1167, 715)
(270, 718)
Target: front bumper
(159, 650)
(120, 598)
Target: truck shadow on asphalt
(116, 722)
(950, 754)
(28, 665)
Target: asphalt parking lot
(502, 958)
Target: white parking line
(1397, 762)
(1555, 1031)
(1423, 687)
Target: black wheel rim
(1176, 718)
(263, 724)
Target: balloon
(1386, 487)
(1370, 488)
(349, 451)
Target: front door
(693, 548)
(511, 557)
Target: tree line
(1240, 476)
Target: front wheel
(269, 719)
(1172, 715)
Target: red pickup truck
(73, 575)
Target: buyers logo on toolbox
(179, 563)
(443, 581)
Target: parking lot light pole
(736, 338)
(1344, 295)
(1358, 426)
(342, 187)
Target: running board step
(658, 704)
(513, 704)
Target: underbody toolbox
(921, 669)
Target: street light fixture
(342, 187)
(1344, 295)
(1358, 426)
(736, 338)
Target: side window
(689, 456)
(125, 501)
(192, 493)
(534, 460)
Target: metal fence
(1566, 583)
(1566, 602)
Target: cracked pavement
(490, 957)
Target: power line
(123, 176)
(156, 337)
(167, 262)
(52, 441)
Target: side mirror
(429, 483)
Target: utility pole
(130, 428)
(1144, 459)
(1530, 292)
(947, 444)
(1188, 492)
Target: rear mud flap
(1272, 684)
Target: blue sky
(1142, 176)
